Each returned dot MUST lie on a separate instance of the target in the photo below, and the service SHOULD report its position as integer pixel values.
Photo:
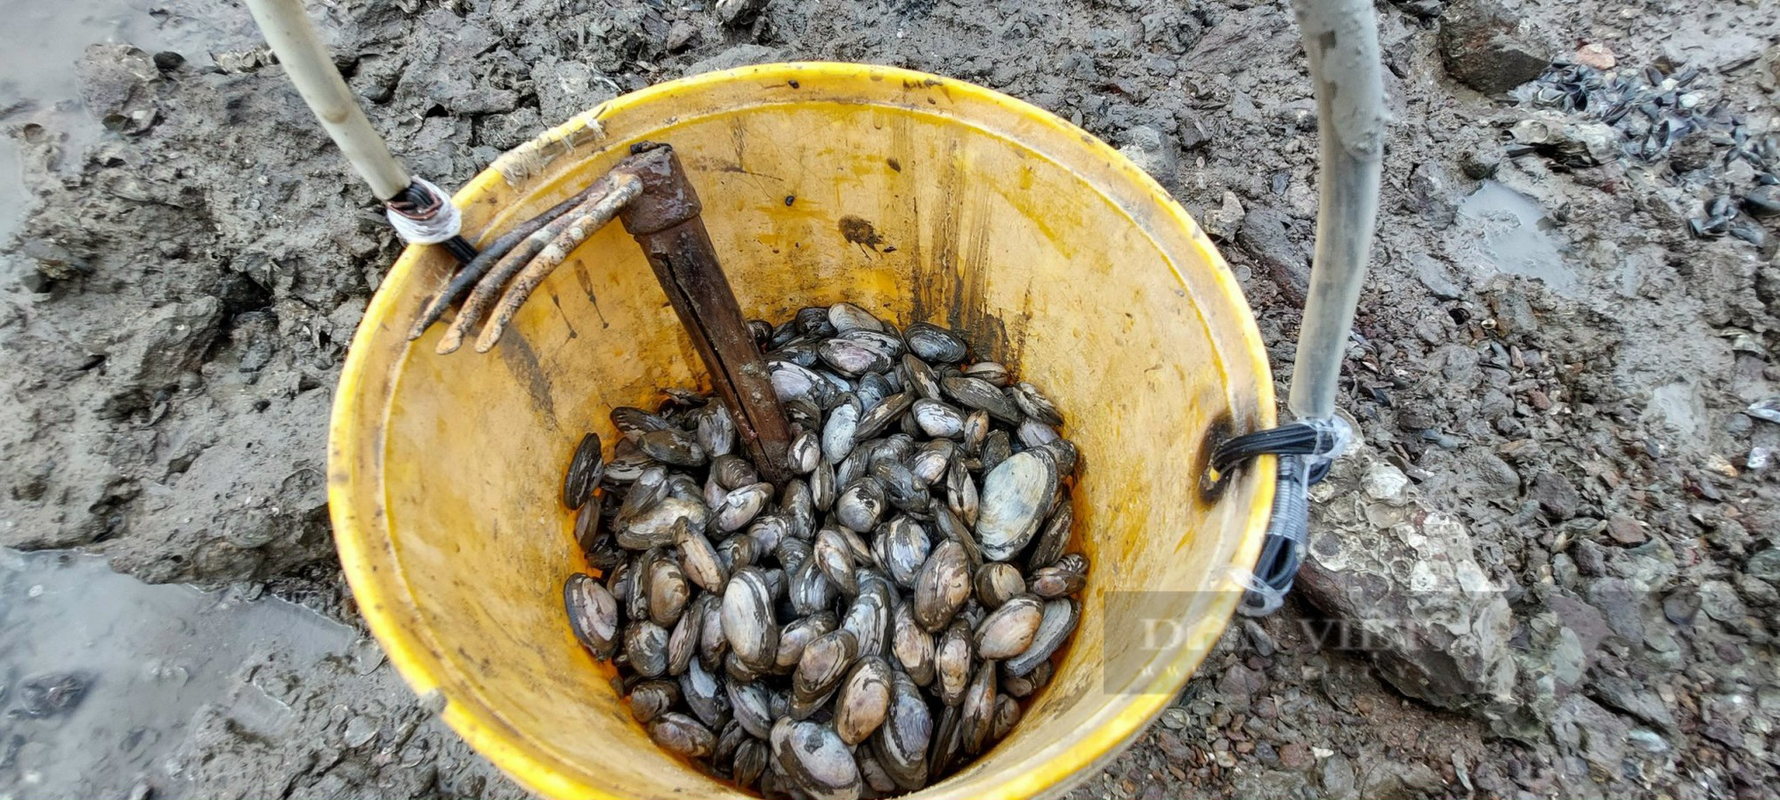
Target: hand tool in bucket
(982, 212)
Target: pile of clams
(867, 628)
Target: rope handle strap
(1306, 449)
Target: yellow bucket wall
(916, 197)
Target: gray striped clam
(871, 625)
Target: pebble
(1625, 530)
(1595, 55)
(1295, 756)
(1765, 566)
(360, 731)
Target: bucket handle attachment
(1341, 43)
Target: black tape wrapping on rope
(1306, 449)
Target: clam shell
(1009, 630)
(934, 344)
(584, 473)
(863, 698)
(748, 623)
(942, 586)
(1014, 498)
(593, 614)
(681, 734)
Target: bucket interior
(917, 198)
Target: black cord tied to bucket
(1306, 449)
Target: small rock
(1441, 280)
(1555, 495)
(1681, 605)
(1258, 637)
(1479, 165)
(1295, 756)
(737, 13)
(1239, 684)
(1385, 483)
(1764, 566)
(567, 88)
(1155, 154)
(1595, 55)
(1272, 238)
(741, 55)
(1621, 603)
(1484, 46)
(1720, 601)
(1338, 777)
(52, 695)
(1431, 193)
(360, 731)
(1625, 530)
(1173, 747)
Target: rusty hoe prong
(453, 287)
(476, 306)
(582, 222)
(650, 193)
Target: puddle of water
(1508, 237)
(151, 656)
(38, 80)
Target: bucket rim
(390, 617)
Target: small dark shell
(705, 695)
(805, 451)
(863, 698)
(996, 449)
(751, 758)
(813, 321)
(1034, 404)
(942, 586)
(879, 417)
(911, 646)
(646, 645)
(748, 623)
(953, 658)
(752, 705)
(982, 395)
(683, 644)
(669, 591)
(651, 699)
(683, 735)
(860, 504)
(1053, 538)
(699, 560)
(819, 672)
(593, 614)
(996, 582)
(672, 446)
(902, 742)
(798, 635)
(733, 472)
(920, 377)
(585, 470)
(632, 420)
(1009, 630)
(978, 709)
(989, 371)
(815, 760)
(1064, 578)
(934, 344)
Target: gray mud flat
(1550, 372)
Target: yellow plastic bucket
(919, 198)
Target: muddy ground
(1570, 310)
